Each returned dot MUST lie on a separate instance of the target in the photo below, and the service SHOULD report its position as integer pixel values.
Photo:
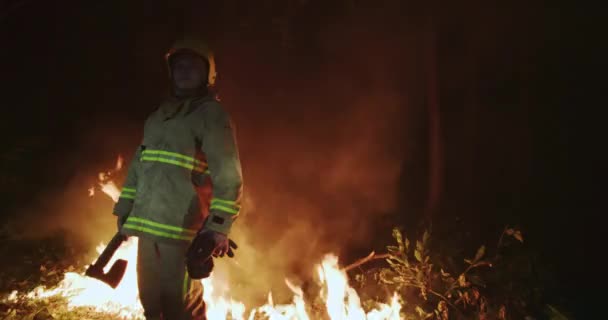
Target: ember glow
(341, 301)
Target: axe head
(113, 277)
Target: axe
(113, 277)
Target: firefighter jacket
(185, 143)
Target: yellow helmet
(198, 47)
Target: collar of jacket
(173, 106)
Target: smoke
(65, 206)
(307, 197)
(321, 164)
(70, 211)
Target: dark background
(516, 83)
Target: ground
(30, 263)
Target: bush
(433, 286)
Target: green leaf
(517, 235)
(420, 276)
(418, 255)
(393, 249)
(425, 237)
(397, 235)
(462, 281)
(423, 314)
(482, 263)
(399, 238)
(554, 313)
(398, 260)
(480, 252)
(397, 263)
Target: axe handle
(109, 250)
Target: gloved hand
(206, 245)
(223, 245)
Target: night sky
(330, 100)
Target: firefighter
(188, 148)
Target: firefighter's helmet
(198, 47)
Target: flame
(106, 184)
(111, 190)
(84, 291)
(341, 301)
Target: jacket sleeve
(220, 148)
(129, 189)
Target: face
(188, 71)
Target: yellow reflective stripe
(156, 232)
(128, 193)
(172, 154)
(174, 162)
(160, 225)
(185, 288)
(226, 209)
(227, 202)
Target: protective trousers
(165, 290)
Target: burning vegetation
(408, 281)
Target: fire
(341, 301)
(80, 290)
(106, 184)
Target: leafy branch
(410, 266)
